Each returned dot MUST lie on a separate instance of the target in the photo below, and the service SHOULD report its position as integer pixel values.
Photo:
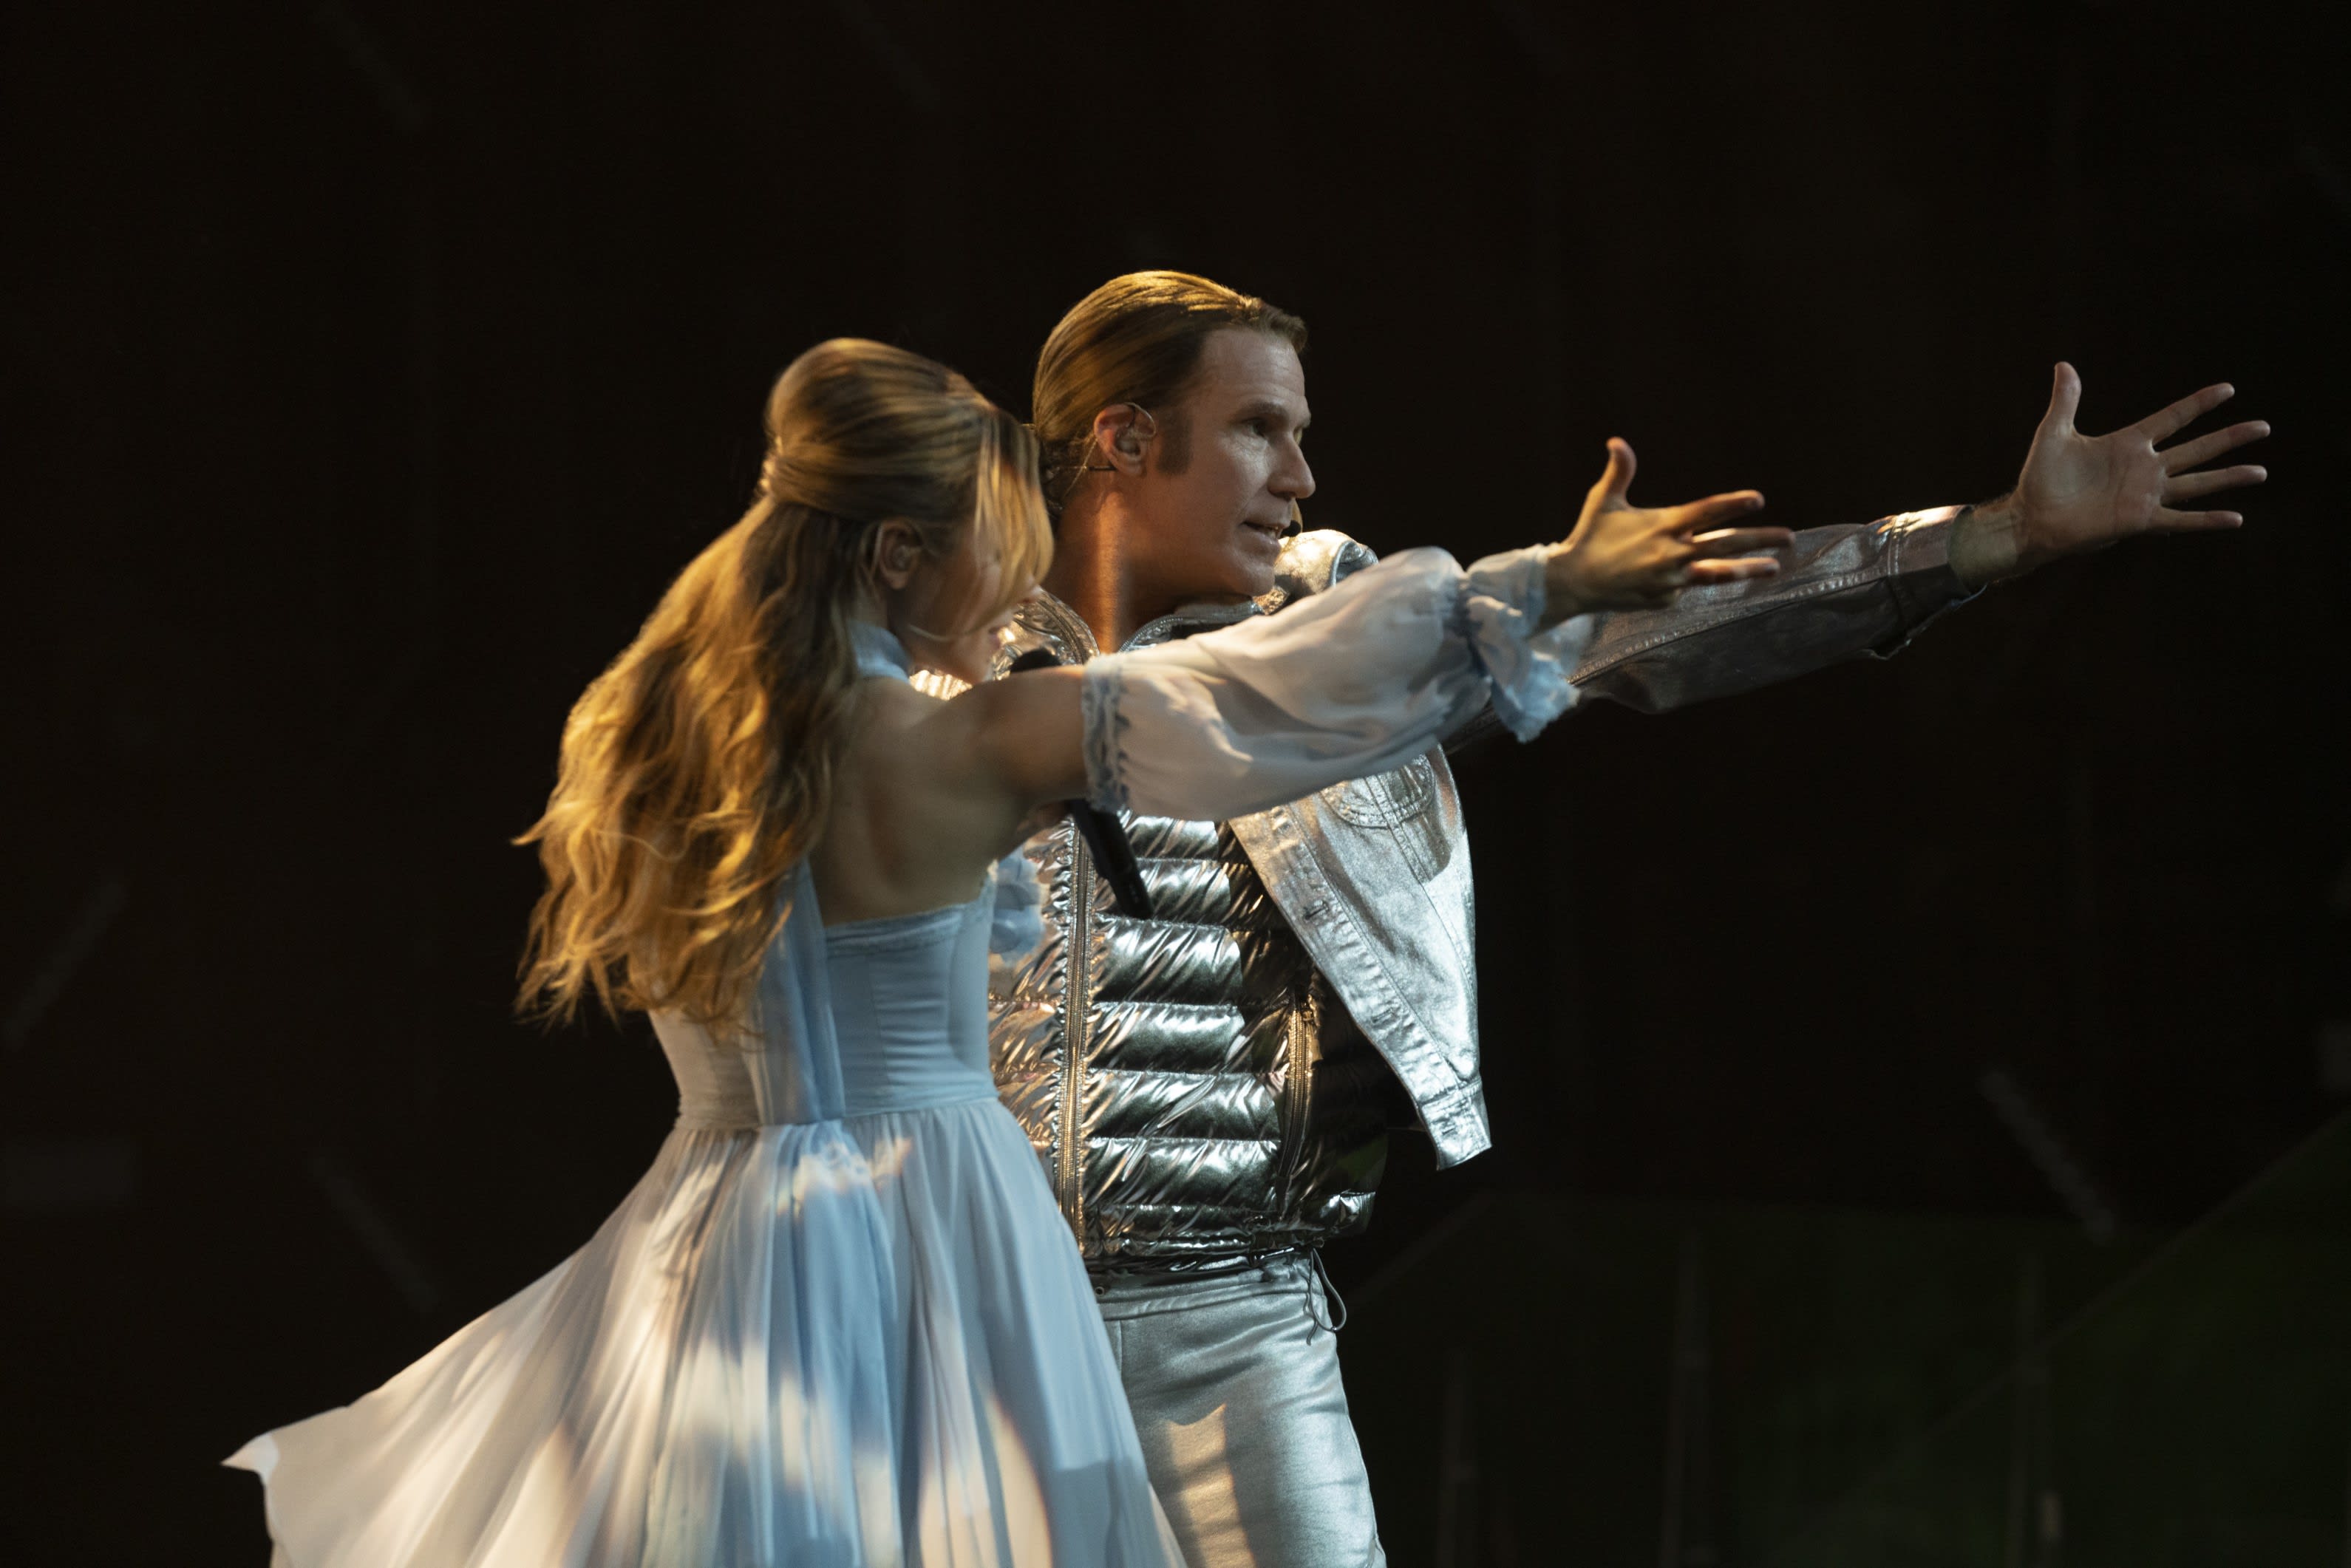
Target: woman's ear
(896, 549)
(1122, 433)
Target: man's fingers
(2204, 448)
(2064, 398)
(2168, 521)
(2165, 424)
(1740, 542)
(2187, 486)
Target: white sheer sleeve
(1354, 680)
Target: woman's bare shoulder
(977, 761)
(893, 734)
(896, 838)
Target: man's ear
(897, 549)
(1122, 434)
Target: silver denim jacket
(1373, 876)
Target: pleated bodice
(906, 996)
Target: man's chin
(1239, 577)
(1252, 567)
(1253, 584)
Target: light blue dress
(840, 1324)
(839, 1321)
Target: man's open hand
(2080, 492)
(1622, 556)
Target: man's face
(1216, 490)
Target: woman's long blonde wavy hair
(698, 769)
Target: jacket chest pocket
(1402, 803)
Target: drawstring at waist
(1315, 1255)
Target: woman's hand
(1622, 556)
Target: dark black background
(372, 365)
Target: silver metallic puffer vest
(1198, 1084)
(1223, 1104)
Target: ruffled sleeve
(1354, 680)
(1016, 920)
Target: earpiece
(1130, 438)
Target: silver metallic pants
(1234, 1381)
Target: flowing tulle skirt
(863, 1341)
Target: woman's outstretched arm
(1351, 682)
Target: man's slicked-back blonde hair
(1137, 339)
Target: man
(1211, 1085)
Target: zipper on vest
(1298, 1033)
(1075, 1007)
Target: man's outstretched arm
(1865, 590)
(2080, 493)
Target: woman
(839, 1321)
